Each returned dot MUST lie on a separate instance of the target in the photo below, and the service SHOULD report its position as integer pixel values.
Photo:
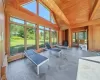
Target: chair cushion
(30, 52)
(48, 46)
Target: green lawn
(21, 42)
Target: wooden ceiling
(69, 13)
(18, 1)
(78, 12)
(96, 10)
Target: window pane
(16, 39)
(41, 27)
(30, 6)
(16, 20)
(81, 36)
(46, 28)
(41, 38)
(44, 12)
(47, 38)
(54, 37)
(52, 20)
(52, 30)
(85, 36)
(30, 24)
(77, 36)
(31, 38)
(73, 37)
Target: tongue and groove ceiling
(76, 11)
(68, 13)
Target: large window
(74, 37)
(31, 38)
(16, 20)
(41, 37)
(16, 39)
(30, 24)
(44, 12)
(47, 35)
(83, 36)
(30, 6)
(54, 37)
(21, 35)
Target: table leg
(37, 70)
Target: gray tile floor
(63, 68)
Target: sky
(17, 20)
(43, 12)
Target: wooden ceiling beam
(20, 2)
(17, 3)
(79, 29)
(88, 23)
(96, 6)
(54, 7)
(55, 19)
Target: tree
(31, 33)
(21, 32)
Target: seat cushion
(30, 52)
(48, 46)
(37, 59)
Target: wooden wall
(66, 35)
(60, 37)
(94, 38)
(2, 33)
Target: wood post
(69, 38)
(50, 37)
(25, 34)
(90, 38)
(37, 36)
(7, 34)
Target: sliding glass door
(16, 39)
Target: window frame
(10, 35)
